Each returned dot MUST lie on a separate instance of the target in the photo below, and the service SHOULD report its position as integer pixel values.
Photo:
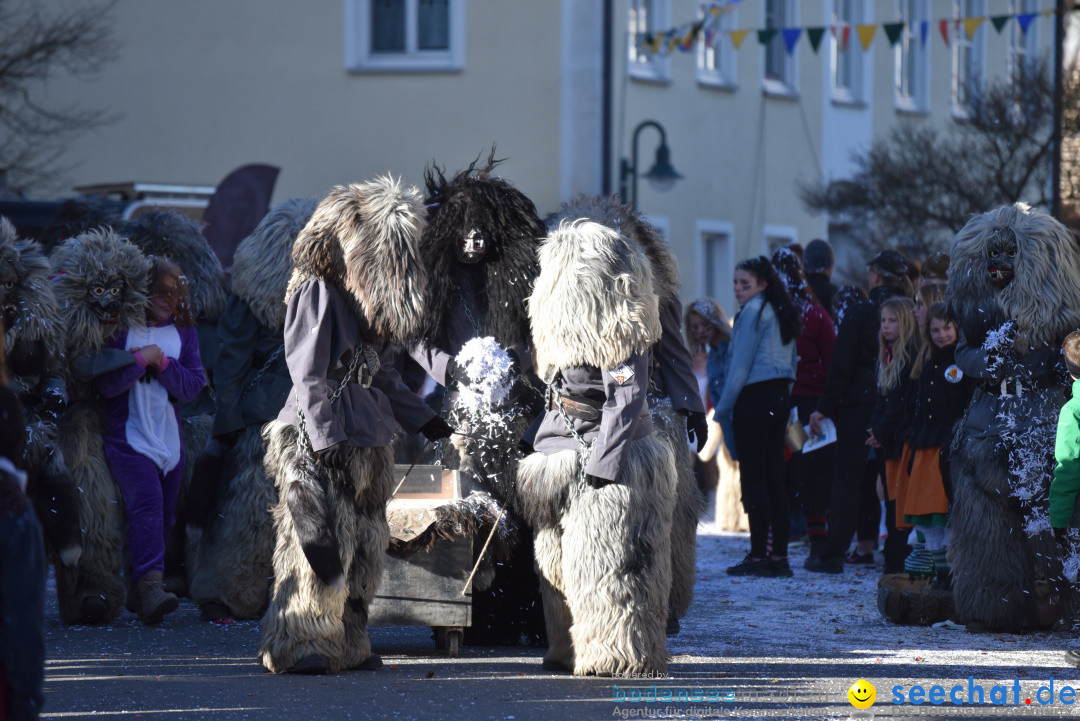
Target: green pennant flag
(893, 31)
(764, 36)
(815, 34)
(999, 21)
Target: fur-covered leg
(55, 497)
(992, 590)
(689, 505)
(304, 617)
(232, 561)
(373, 470)
(548, 549)
(92, 591)
(615, 555)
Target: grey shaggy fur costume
(231, 563)
(362, 239)
(603, 552)
(1006, 568)
(95, 258)
(689, 501)
(33, 345)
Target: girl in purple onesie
(143, 444)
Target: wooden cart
(422, 583)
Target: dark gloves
(596, 481)
(525, 447)
(457, 372)
(697, 428)
(515, 363)
(436, 429)
(52, 405)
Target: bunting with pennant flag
(707, 29)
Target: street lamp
(661, 176)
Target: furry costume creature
(1014, 289)
(599, 491)
(33, 347)
(357, 286)
(480, 245)
(101, 285)
(172, 234)
(673, 390)
(231, 549)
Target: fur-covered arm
(183, 377)
(115, 382)
(88, 366)
(676, 363)
(409, 409)
(971, 359)
(238, 329)
(624, 405)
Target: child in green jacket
(1066, 484)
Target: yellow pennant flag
(1048, 13)
(714, 10)
(737, 36)
(866, 34)
(971, 25)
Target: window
(716, 262)
(846, 70)
(778, 236)
(648, 17)
(912, 65)
(404, 35)
(716, 58)
(1023, 47)
(779, 66)
(968, 54)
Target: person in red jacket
(810, 476)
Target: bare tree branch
(35, 45)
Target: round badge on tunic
(953, 374)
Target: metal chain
(262, 371)
(303, 439)
(586, 447)
(468, 313)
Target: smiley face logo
(862, 694)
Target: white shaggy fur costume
(673, 392)
(357, 286)
(601, 512)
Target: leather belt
(580, 407)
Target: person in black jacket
(890, 426)
(849, 397)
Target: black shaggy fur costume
(175, 236)
(475, 200)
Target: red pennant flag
(944, 26)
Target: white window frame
(968, 56)
(917, 102)
(770, 230)
(648, 67)
(726, 75)
(725, 292)
(851, 94)
(788, 86)
(1023, 47)
(360, 59)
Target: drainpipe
(607, 81)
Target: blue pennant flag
(1025, 21)
(791, 36)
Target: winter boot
(154, 600)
